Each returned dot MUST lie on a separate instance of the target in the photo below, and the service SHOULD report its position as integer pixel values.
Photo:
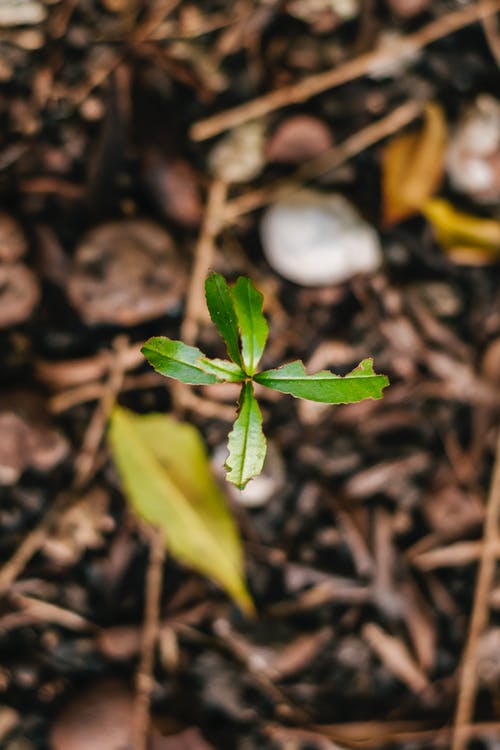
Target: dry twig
(204, 253)
(329, 160)
(349, 71)
(84, 467)
(151, 629)
(479, 618)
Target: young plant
(237, 313)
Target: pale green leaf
(247, 444)
(222, 369)
(221, 308)
(166, 477)
(174, 359)
(252, 323)
(325, 386)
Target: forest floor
(143, 145)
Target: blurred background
(344, 155)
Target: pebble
(323, 15)
(98, 718)
(488, 658)
(314, 239)
(408, 8)
(13, 243)
(19, 294)
(126, 272)
(298, 138)
(21, 12)
(27, 436)
(239, 156)
(473, 157)
(264, 486)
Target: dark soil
(354, 623)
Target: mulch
(379, 537)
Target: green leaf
(247, 444)
(222, 369)
(166, 477)
(252, 323)
(174, 359)
(325, 386)
(221, 308)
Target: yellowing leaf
(470, 239)
(412, 167)
(166, 477)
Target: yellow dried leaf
(412, 167)
(468, 239)
(166, 477)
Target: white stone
(315, 239)
(21, 12)
(261, 488)
(239, 156)
(473, 156)
(306, 10)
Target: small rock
(21, 12)
(13, 243)
(297, 139)
(442, 299)
(323, 15)
(408, 8)
(19, 293)
(488, 658)
(239, 156)
(27, 438)
(99, 718)
(125, 273)
(120, 6)
(490, 364)
(120, 642)
(262, 487)
(188, 739)
(173, 186)
(315, 239)
(473, 158)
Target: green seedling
(237, 313)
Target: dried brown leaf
(412, 167)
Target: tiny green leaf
(325, 386)
(221, 308)
(247, 444)
(222, 369)
(166, 477)
(252, 323)
(174, 359)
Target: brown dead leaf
(467, 239)
(412, 167)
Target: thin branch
(329, 160)
(151, 628)
(349, 71)
(479, 618)
(84, 467)
(204, 253)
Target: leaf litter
(362, 564)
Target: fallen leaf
(468, 239)
(412, 167)
(166, 477)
